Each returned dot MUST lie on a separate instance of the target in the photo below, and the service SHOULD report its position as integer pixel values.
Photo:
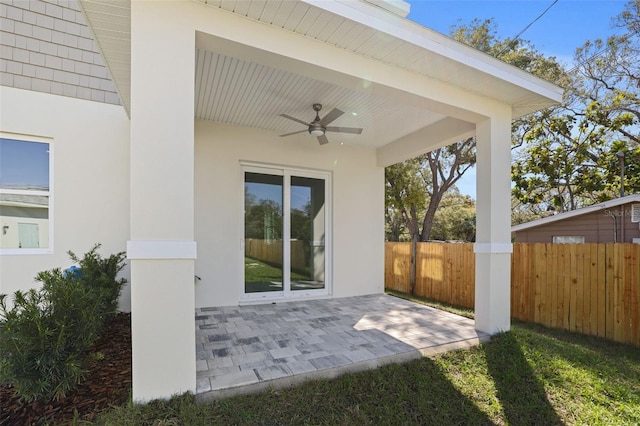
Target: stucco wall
(358, 207)
(10, 219)
(90, 142)
(91, 194)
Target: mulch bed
(107, 383)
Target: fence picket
(586, 290)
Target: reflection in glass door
(285, 232)
(307, 233)
(263, 223)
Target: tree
(263, 218)
(566, 156)
(406, 195)
(456, 218)
(557, 164)
(423, 181)
(445, 166)
(608, 77)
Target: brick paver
(251, 345)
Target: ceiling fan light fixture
(316, 130)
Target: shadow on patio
(243, 349)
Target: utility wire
(576, 66)
(608, 46)
(527, 27)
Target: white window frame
(49, 194)
(568, 239)
(287, 172)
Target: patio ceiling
(253, 95)
(235, 90)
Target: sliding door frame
(287, 173)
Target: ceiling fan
(318, 127)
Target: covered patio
(211, 86)
(244, 349)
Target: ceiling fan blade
(306, 123)
(323, 140)
(335, 113)
(354, 130)
(294, 133)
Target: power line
(527, 27)
(609, 46)
(576, 66)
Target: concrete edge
(453, 346)
(327, 373)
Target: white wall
(91, 174)
(358, 207)
(12, 216)
(90, 143)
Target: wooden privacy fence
(271, 252)
(444, 272)
(587, 288)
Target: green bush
(45, 337)
(99, 275)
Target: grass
(529, 376)
(463, 312)
(257, 271)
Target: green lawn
(528, 376)
(260, 276)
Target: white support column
(162, 248)
(493, 223)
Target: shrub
(45, 337)
(99, 275)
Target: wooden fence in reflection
(271, 252)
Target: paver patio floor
(248, 348)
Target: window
(566, 239)
(25, 194)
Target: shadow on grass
(596, 354)
(416, 393)
(523, 398)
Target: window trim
(567, 239)
(49, 141)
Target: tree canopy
(567, 157)
(564, 157)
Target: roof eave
(634, 198)
(367, 14)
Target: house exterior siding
(46, 46)
(595, 227)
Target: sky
(563, 28)
(23, 164)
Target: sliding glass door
(286, 224)
(263, 225)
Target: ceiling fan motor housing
(316, 129)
